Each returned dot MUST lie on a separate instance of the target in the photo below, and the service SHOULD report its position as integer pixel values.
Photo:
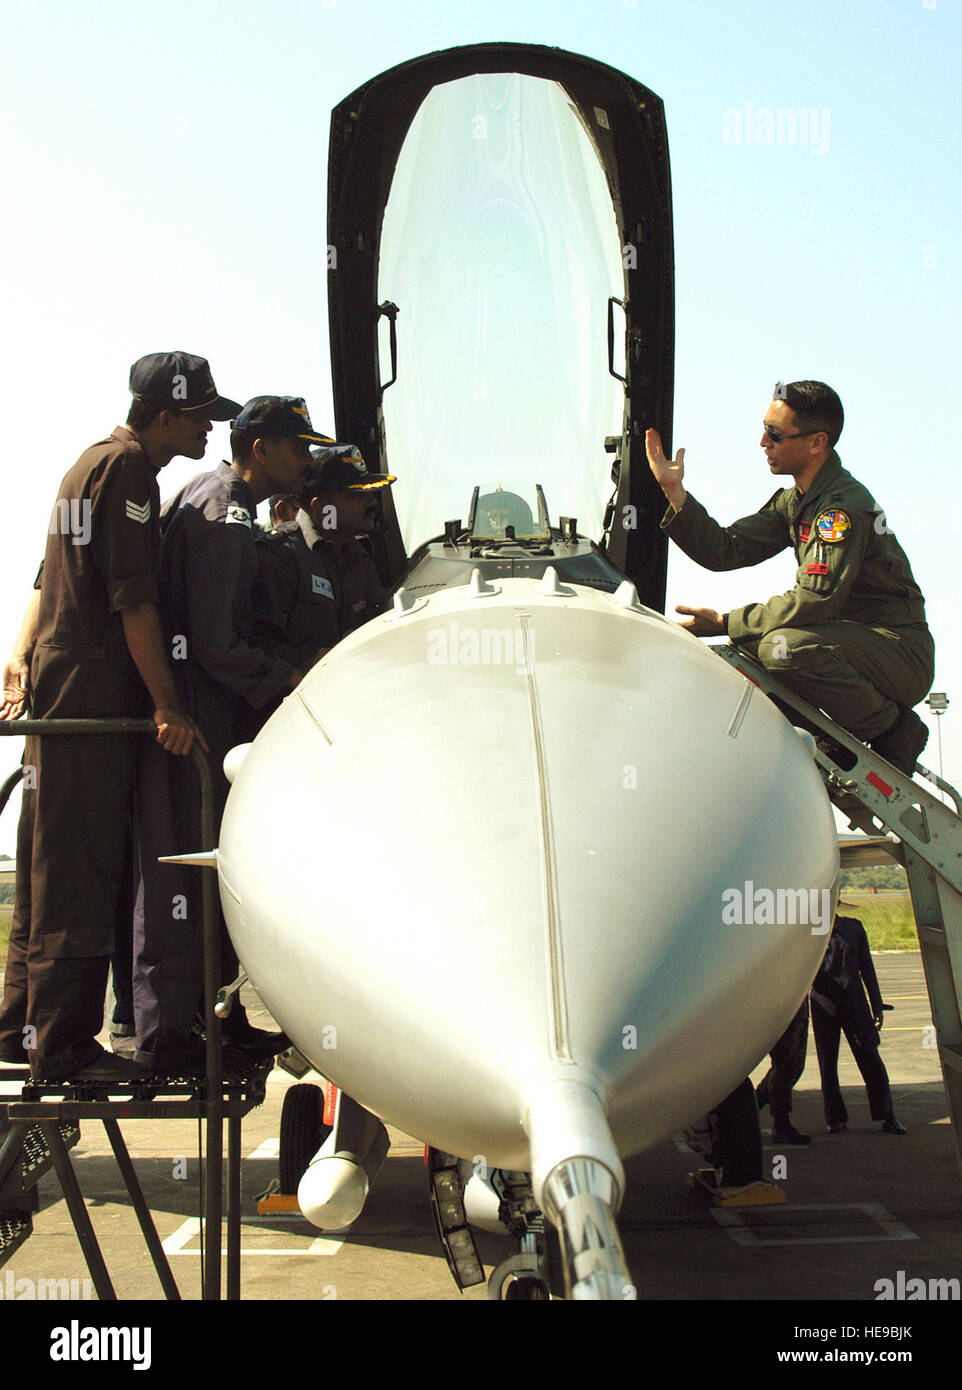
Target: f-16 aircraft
(539, 879)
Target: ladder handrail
(881, 793)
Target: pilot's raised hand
(705, 622)
(668, 475)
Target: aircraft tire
(303, 1131)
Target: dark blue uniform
(310, 593)
(208, 568)
(839, 1005)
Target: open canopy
(501, 289)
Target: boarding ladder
(39, 1120)
(879, 800)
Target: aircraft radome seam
(313, 717)
(741, 710)
(559, 1041)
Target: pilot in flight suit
(851, 636)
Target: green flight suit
(851, 636)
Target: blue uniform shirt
(208, 568)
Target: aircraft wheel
(527, 1289)
(515, 1280)
(303, 1131)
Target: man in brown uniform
(851, 636)
(99, 653)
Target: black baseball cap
(342, 466)
(280, 417)
(179, 381)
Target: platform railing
(212, 1104)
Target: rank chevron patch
(135, 513)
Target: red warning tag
(816, 569)
(330, 1103)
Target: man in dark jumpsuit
(839, 1005)
(851, 636)
(98, 653)
(229, 684)
(316, 582)
(787, 1064)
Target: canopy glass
(500, 248)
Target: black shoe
(254, 1044)
(892, 1126)
(785, 1133)
(902, 744)
(190, 1060)
(106, 1067)
(837, 1127)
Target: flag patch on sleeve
(833, 526)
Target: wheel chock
(751, 1194)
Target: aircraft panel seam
(312, 716)
(741, 710)
(559, 1041)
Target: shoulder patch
(238, 516)
(135, 513)
(319, 585)
(833, 525)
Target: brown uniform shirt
(103, 555)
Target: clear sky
(163, 186)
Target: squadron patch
(833, 526)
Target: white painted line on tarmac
(270, 1148)
(742, 1234)
(175, 1243)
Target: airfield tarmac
(860, 1206)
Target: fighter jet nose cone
(332, 1193)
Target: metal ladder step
(32, 1162)
(15, 1227)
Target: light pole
(938, 703)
